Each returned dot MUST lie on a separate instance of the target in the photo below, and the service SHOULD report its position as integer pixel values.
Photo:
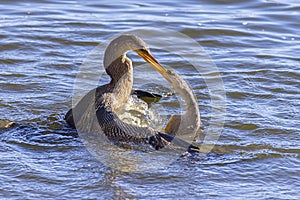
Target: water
(255, 45)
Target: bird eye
(170, 72)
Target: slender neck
(192, 109)
(190, 120)
(123, 86)
(119, 67)
(121, 73)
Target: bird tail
(179, 142)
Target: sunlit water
(255, 45)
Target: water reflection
(112, 179)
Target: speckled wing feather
(119, 131)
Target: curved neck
(120, 46)
(118, 68)
(192, 108)
(190, 120)
(113, 53)
(121, 73)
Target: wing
(83, 105)
(119, 131)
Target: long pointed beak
(150, 59)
